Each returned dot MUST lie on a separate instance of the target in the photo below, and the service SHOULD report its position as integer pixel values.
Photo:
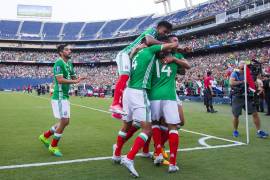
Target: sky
(91, 10)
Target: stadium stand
(30, 30)
(71, 30)
(51, 31)
(213, 48)
(90, 30)
(8, 29)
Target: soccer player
(64, 75)
(164, 103)
(123, 61)
(136, 103)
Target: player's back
(142, 63)
(148, 32)
(163, 80)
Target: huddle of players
(149, 101)
(152, 76)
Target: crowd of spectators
(221, 64)
(43, 57)
(249, 32)
(209, 9)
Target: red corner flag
(251, 83)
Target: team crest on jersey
(58, 69)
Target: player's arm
(135, 50)
(61, 80)
(169, 46)
(150, 40)
(182, 62)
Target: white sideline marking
(102, 158)
(202, 141)
(235, 143)
(215, 137)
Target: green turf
(91, 134)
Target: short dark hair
(61, 47)
(163, 38)
(209, 73)
(166, 24)
(172, 35)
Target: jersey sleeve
(151, 32)
(179, 56)
(156, 48)
(58, 69)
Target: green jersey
(149, 32)
(163, 81)
(142, 67)
(65, 69)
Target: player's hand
(167, 60)
(78, 80)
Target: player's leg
(164, 137)
(139, 142)
(141, 113)
(44, 138)
(181, 112)
(122, 134)
(172, 119)
(123, 63)
(121, 139)
(156, 110)
(64, 112)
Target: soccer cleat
(116, 116)
(235, 133)
(117, 109)
(165, 162)
(147, 155)
(115, 159)
(158, 160)
(262, 134)
(164, 153)
(173, 168)
(55, 151)
(129, 164)
(44, 140)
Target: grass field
(91, 133)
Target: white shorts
(137, 105)
(167, 109)
(123, 63)
(61, 108)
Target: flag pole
(246, 103)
